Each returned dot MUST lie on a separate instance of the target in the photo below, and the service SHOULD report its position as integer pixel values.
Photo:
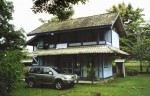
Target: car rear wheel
(59, 85)
(31, 83)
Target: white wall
(107, 36)
(115, 39)
(112, 37)
(107, 71)
(34, 48)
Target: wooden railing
(78, 44)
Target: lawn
(129, 86)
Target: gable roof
(96, 21)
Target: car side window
(38, 70)
(35, 70)
(32, 70)
(46, 70)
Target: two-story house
(76, 43)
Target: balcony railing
(65, 45)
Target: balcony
(65, 45)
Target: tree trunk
(141, 69)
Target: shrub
(147, 70)
(91, 73)
(10, 70)
(132, 72)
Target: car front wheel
(59, 85)
(71, 85)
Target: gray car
(48, 75)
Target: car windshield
(59, 71)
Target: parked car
(48, 75)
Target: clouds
(25, 18)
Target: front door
(69, 64)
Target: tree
(9, 37)
(11, 41)
(61, 17)
(60, 8)
(132, 19)
(142, 46)
(127, 13)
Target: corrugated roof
(26, 61)
(80, 50)
(84, 22)
(120, 60)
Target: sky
(23, 17)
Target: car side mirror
(50, 73)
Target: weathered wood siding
(71, 63)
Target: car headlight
(67, 77)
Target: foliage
(132, 72)
(136, 42)
(9, 37)
(65, 15)
(91, 72)
(10, 70)
(60, 8)
(131, 18)
(11, 41)
(141, 49)
(128, 14)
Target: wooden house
(77, 43)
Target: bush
(91, 73)
(132, 72)
(10, 70)
(147, 70)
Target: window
(59, 71)
(105, 65)
(46, 70)
(35, 70)
(32, 70)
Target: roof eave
(70, 30)
(30, 41)
(123, 33)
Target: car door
(38, 75)
(47, 76)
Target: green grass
(129, 86)
(132, 63)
